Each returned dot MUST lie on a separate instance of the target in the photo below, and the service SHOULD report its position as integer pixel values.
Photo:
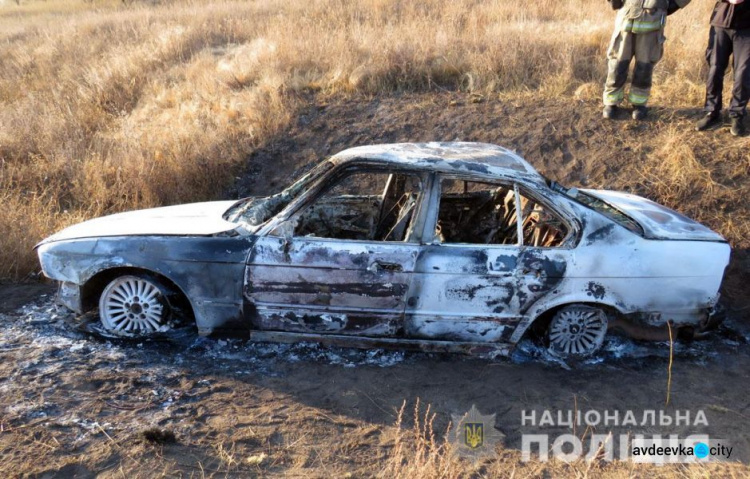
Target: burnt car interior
(485, 213)
(363, 205)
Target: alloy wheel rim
(577, 331)
(132, 305)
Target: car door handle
(378, 266)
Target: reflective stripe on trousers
(638, 26)
(647, 48)
(639, 98)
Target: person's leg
(649, 48)
(619, 55)
(741, 88)
(717, 56)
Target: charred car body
(441, 246)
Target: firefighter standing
(729, 35)
(639, 33)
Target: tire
(576, 331)
(135, 306)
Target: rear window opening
(599, 206)
(485, 213)
(609, 211)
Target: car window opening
(599, 206)
(485, 213)
(366, 206)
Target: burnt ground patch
(75, 398)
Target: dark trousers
(723, 43)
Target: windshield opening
(256, 211)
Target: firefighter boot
(639, 112)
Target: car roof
(479, 159)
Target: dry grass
(106, 107)
(703, 180)
(227, 456)
(418, 452)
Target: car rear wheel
(577, 331)
(134, 306)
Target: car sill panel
(428, 346)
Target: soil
(77, 404)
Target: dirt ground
(78, 405)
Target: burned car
(438, 246)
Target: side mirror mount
(285, 230)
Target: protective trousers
(647, 48)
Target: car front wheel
(577, 331)
(134, 306)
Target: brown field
(107, 106)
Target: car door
(341, 264)
(474, 281)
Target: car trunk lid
(657, 221)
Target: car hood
(193, 219)
(657, 221)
